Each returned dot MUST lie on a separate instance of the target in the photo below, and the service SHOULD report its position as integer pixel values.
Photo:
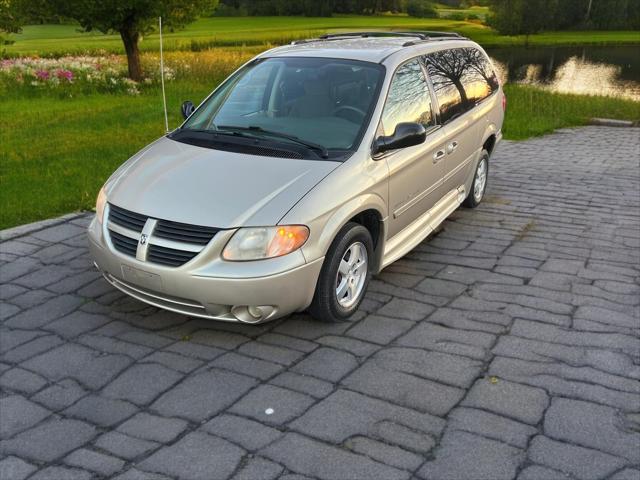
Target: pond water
(613, 71)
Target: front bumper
(207, 286)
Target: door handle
(452, 147)
(439, 155)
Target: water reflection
(613, 71)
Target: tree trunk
(130, 39)
(463, 94)
(586, 18)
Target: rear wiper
(254, 128)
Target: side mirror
(406, 135)
(187, 109)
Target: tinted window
(460, 77)
(479, 80)
(408, 99)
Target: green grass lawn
(533, 112)
(477, 10)
(56, 153)
(225, 31)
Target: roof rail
(422, 36)
(345, 35)
(373, 34)
(432, 34)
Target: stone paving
(507, 346)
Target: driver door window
(408, 99)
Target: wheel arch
(369, 211)
(489, 138)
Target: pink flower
(65, 75)
(42, 74)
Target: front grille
(125, 218)
(126, 226)
(169, 256)
(182, 232)
(124, 244)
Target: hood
(185, 183)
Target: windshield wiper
(254, 128)
(216, 132)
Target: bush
(421, 9)
(457, 17)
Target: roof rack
(432, 35)
(421, 36)
(371, 34)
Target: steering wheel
(349, 108)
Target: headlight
(265, 242)
(101, 202)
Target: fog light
(255, 312)
(252, 314)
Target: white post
(164, 97)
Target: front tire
(479, 184)
(344, 276)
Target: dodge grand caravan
(312, 167)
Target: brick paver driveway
(506, 346)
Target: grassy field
(445, 11)
(226, 31)
(533, 112)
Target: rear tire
(344, 276)
(479, 184)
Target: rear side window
(408, 99)
(479, 79)
(461, 77)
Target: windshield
(322, 104)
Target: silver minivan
(312, 167)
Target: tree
(610, 14)
(318, 8)
(131, 19)
(571, 13)
(421, 9)
(10, 18)
(522, 17)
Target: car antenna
(164, 97)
